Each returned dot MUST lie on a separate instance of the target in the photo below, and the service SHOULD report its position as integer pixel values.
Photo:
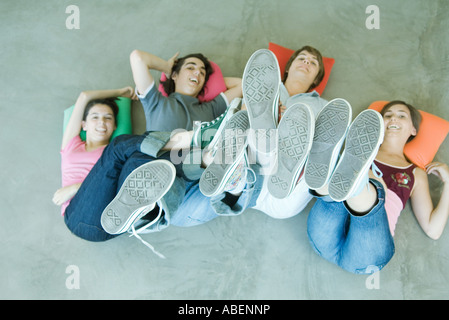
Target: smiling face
(191, 77)
(398, 122)
(99, 124)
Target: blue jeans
(358, 244)
(195, 208)
(183, 205)
(101, 185)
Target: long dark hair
(169, 84)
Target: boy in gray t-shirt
(186, 78)
(178, 111)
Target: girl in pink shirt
(95, 112)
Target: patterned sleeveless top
(400, 182)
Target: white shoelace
(365, 183)
(135, 233)
(376, 171)
(245, 181)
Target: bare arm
(75, 123)
(432, 220)
(65, 193)
(142, 62)
(179, 140)
(234, 88)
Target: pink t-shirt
(76, 163)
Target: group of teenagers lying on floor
(266, 142)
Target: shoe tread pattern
(361, 142)
(330, 128)
(143, 187)
(260, 85)
(294, 143)
(231, 145)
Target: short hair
(414, 114)
(110, 102)
(169, 84)
(319, 57)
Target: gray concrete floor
(252, 256)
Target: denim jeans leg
(195, 208)
(174, 196)
(369, 244)
(83, 214)
(247, 199)
(327, 224)
(137, 159)
(198, 209)
(358, 244)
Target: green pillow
(124, 125)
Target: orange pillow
(283, 55)
(432, 132)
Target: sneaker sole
(230, 151)
(362, 143)
(330, 130)
(295, 140)
(260, 85)
(142, 188)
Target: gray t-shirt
(312, 99)
(178, 111)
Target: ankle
(363, 203)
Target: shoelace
(376, 171)
(243, 185)
(135, 233)
(248, 169)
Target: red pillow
(283, 55)
(213, 87)
(431, 134)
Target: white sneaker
(137, 196)
(260, 85)
(240, 178)
(363, 140)
(295, 138)
(230, 151)
(331, 127)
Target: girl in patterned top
(357, 233)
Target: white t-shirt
(300, 197)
